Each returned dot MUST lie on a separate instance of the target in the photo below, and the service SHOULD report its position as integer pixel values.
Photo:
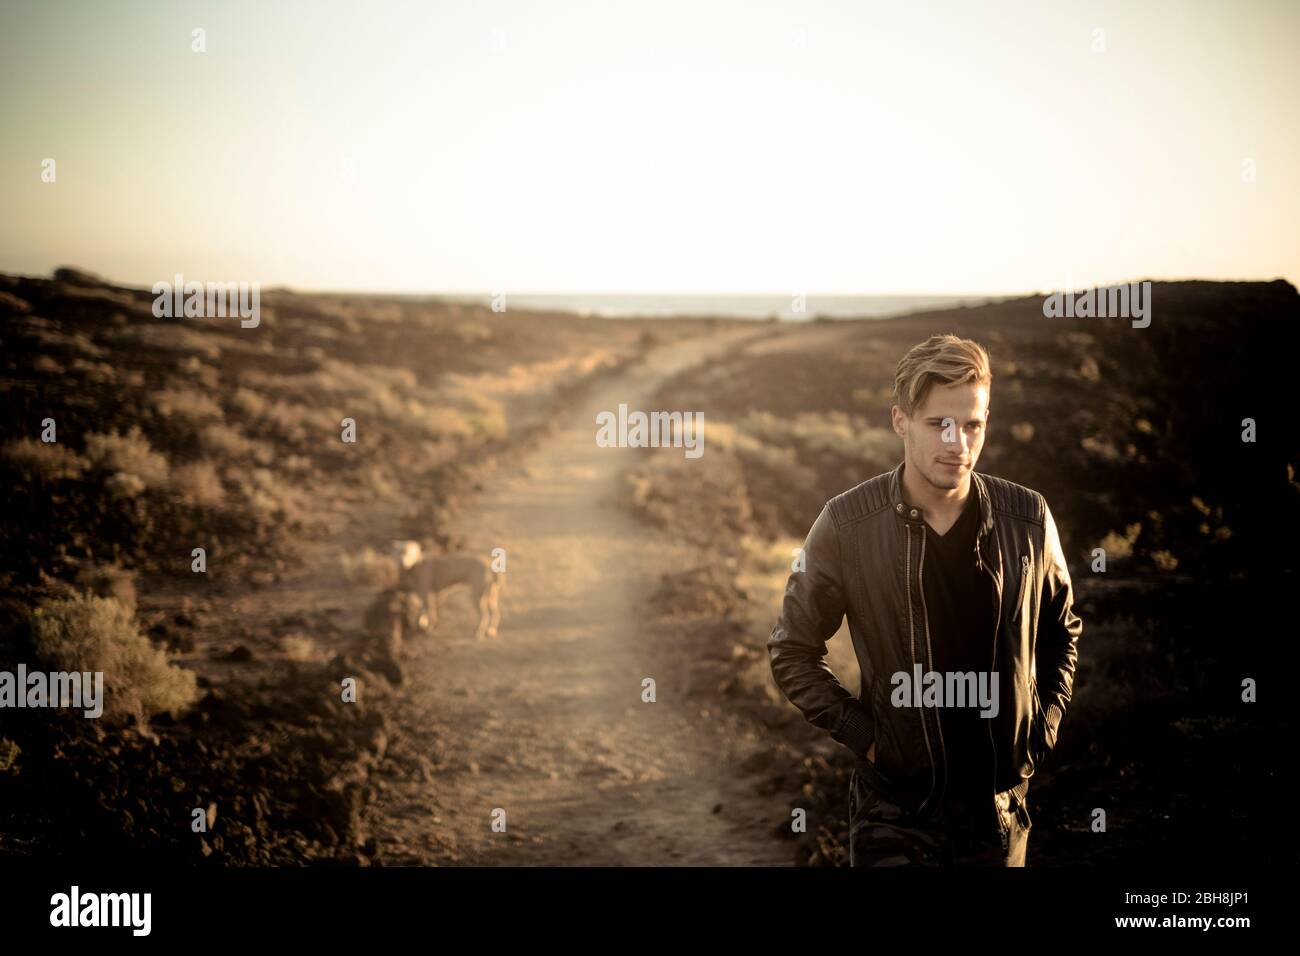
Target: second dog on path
(427, 576)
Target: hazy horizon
(465, 294)
(742, 305)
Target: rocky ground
(175, 434)
(1135, 438)
(626, 566)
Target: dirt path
(546, 721)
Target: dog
(427, 576)
(391, 617)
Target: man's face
(943, 438)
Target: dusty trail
(546, 721)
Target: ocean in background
(736, 306)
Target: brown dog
(390, 618)
(426, 577)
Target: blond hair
(939, 360)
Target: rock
(79, 277)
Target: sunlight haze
(667, 147)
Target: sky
(687, 147)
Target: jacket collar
(984, 552)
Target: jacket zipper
(1024, 580)
(911, 635)
(1036, 707)
(925, 617)
(993, 664)
(1020, 600)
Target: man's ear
(898, 420)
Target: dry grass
(370, 568)
(189, 404)
(42, 461)
(198, 485)
(171, 337)
(97, 634)
(109, 581)
(128, 454)
(848, 437)
(225, 442)
(247, 402)
(266, 496)
(300, 648)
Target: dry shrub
(91, 633)
(198, 485)
(173, 338)
(100, 373)
(299, 647)
(266, 496)
(848, 437)
(377, 479)
(1023, 431)
(47, 462)
(1121, 545)
(392, 394)
(187, 403)
(486, 416)
(123, 484)
(109, 581)
(248, 402)
(295, 423)
(200, 373)
(1102, 448)
(369, 567)
(130, 454)
(11, 303)
(226, 442)
(1165, 560)
(76, 343)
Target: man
(938, 569)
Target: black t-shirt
(959, 607)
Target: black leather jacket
(863, 558)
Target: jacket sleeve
(1056, 644)
(811, 613)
